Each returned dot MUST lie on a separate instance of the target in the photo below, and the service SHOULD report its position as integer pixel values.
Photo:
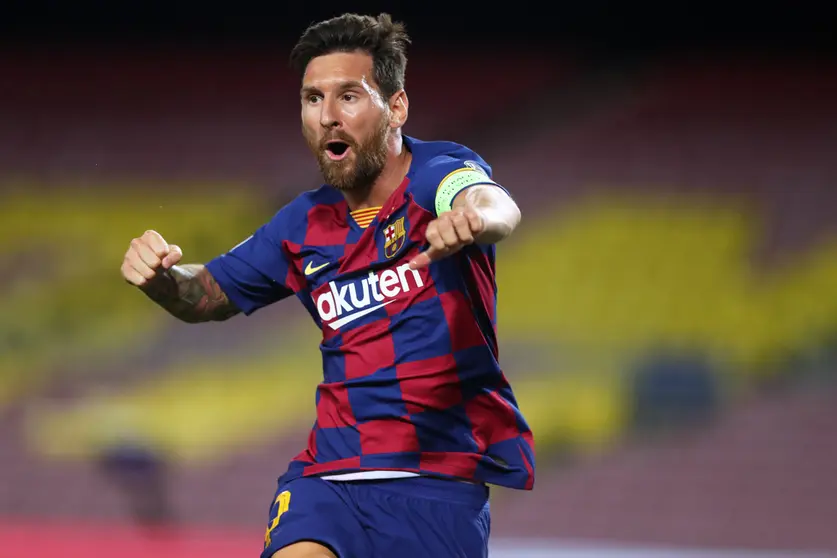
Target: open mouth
(337, 150)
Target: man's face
(344, 119)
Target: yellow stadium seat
(194, 411)
(64, 301)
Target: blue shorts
(409, 518)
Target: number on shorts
(284, 501)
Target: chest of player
(341, 249)
(350, 273)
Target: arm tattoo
(190, 293)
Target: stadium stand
(63, 307)
(683, 220)
(767, 461)
(706, 228)
(213, 116)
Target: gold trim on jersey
(363, 217)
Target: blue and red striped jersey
(411, 378)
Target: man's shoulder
(303, 202)
(433, 153)
(324, 195)
(436, 159)
(294, 214)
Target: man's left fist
(449, 233)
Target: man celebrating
(393, 257)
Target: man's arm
(188, 292)
(498, 212)
(482, 214)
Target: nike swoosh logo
(337, 324)
(311, 269)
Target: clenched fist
(449, 233)
(148, 256)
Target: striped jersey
(411, 377)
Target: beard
(361, 167)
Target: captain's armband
(452, 184)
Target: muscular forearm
(499, 213)
(190, 293)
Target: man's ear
(399, 106)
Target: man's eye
(349, 96)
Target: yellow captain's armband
(457, 181)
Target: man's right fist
(148, 256)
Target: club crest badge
(394, 237)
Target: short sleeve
(254, 273)
(445, 177)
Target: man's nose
(329, 115)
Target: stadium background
(668, 310)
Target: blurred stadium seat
(63, 304)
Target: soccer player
(394, 259)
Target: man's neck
(391, 177)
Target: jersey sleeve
(447, 176)
(254, 273)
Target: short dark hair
(384, 40)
